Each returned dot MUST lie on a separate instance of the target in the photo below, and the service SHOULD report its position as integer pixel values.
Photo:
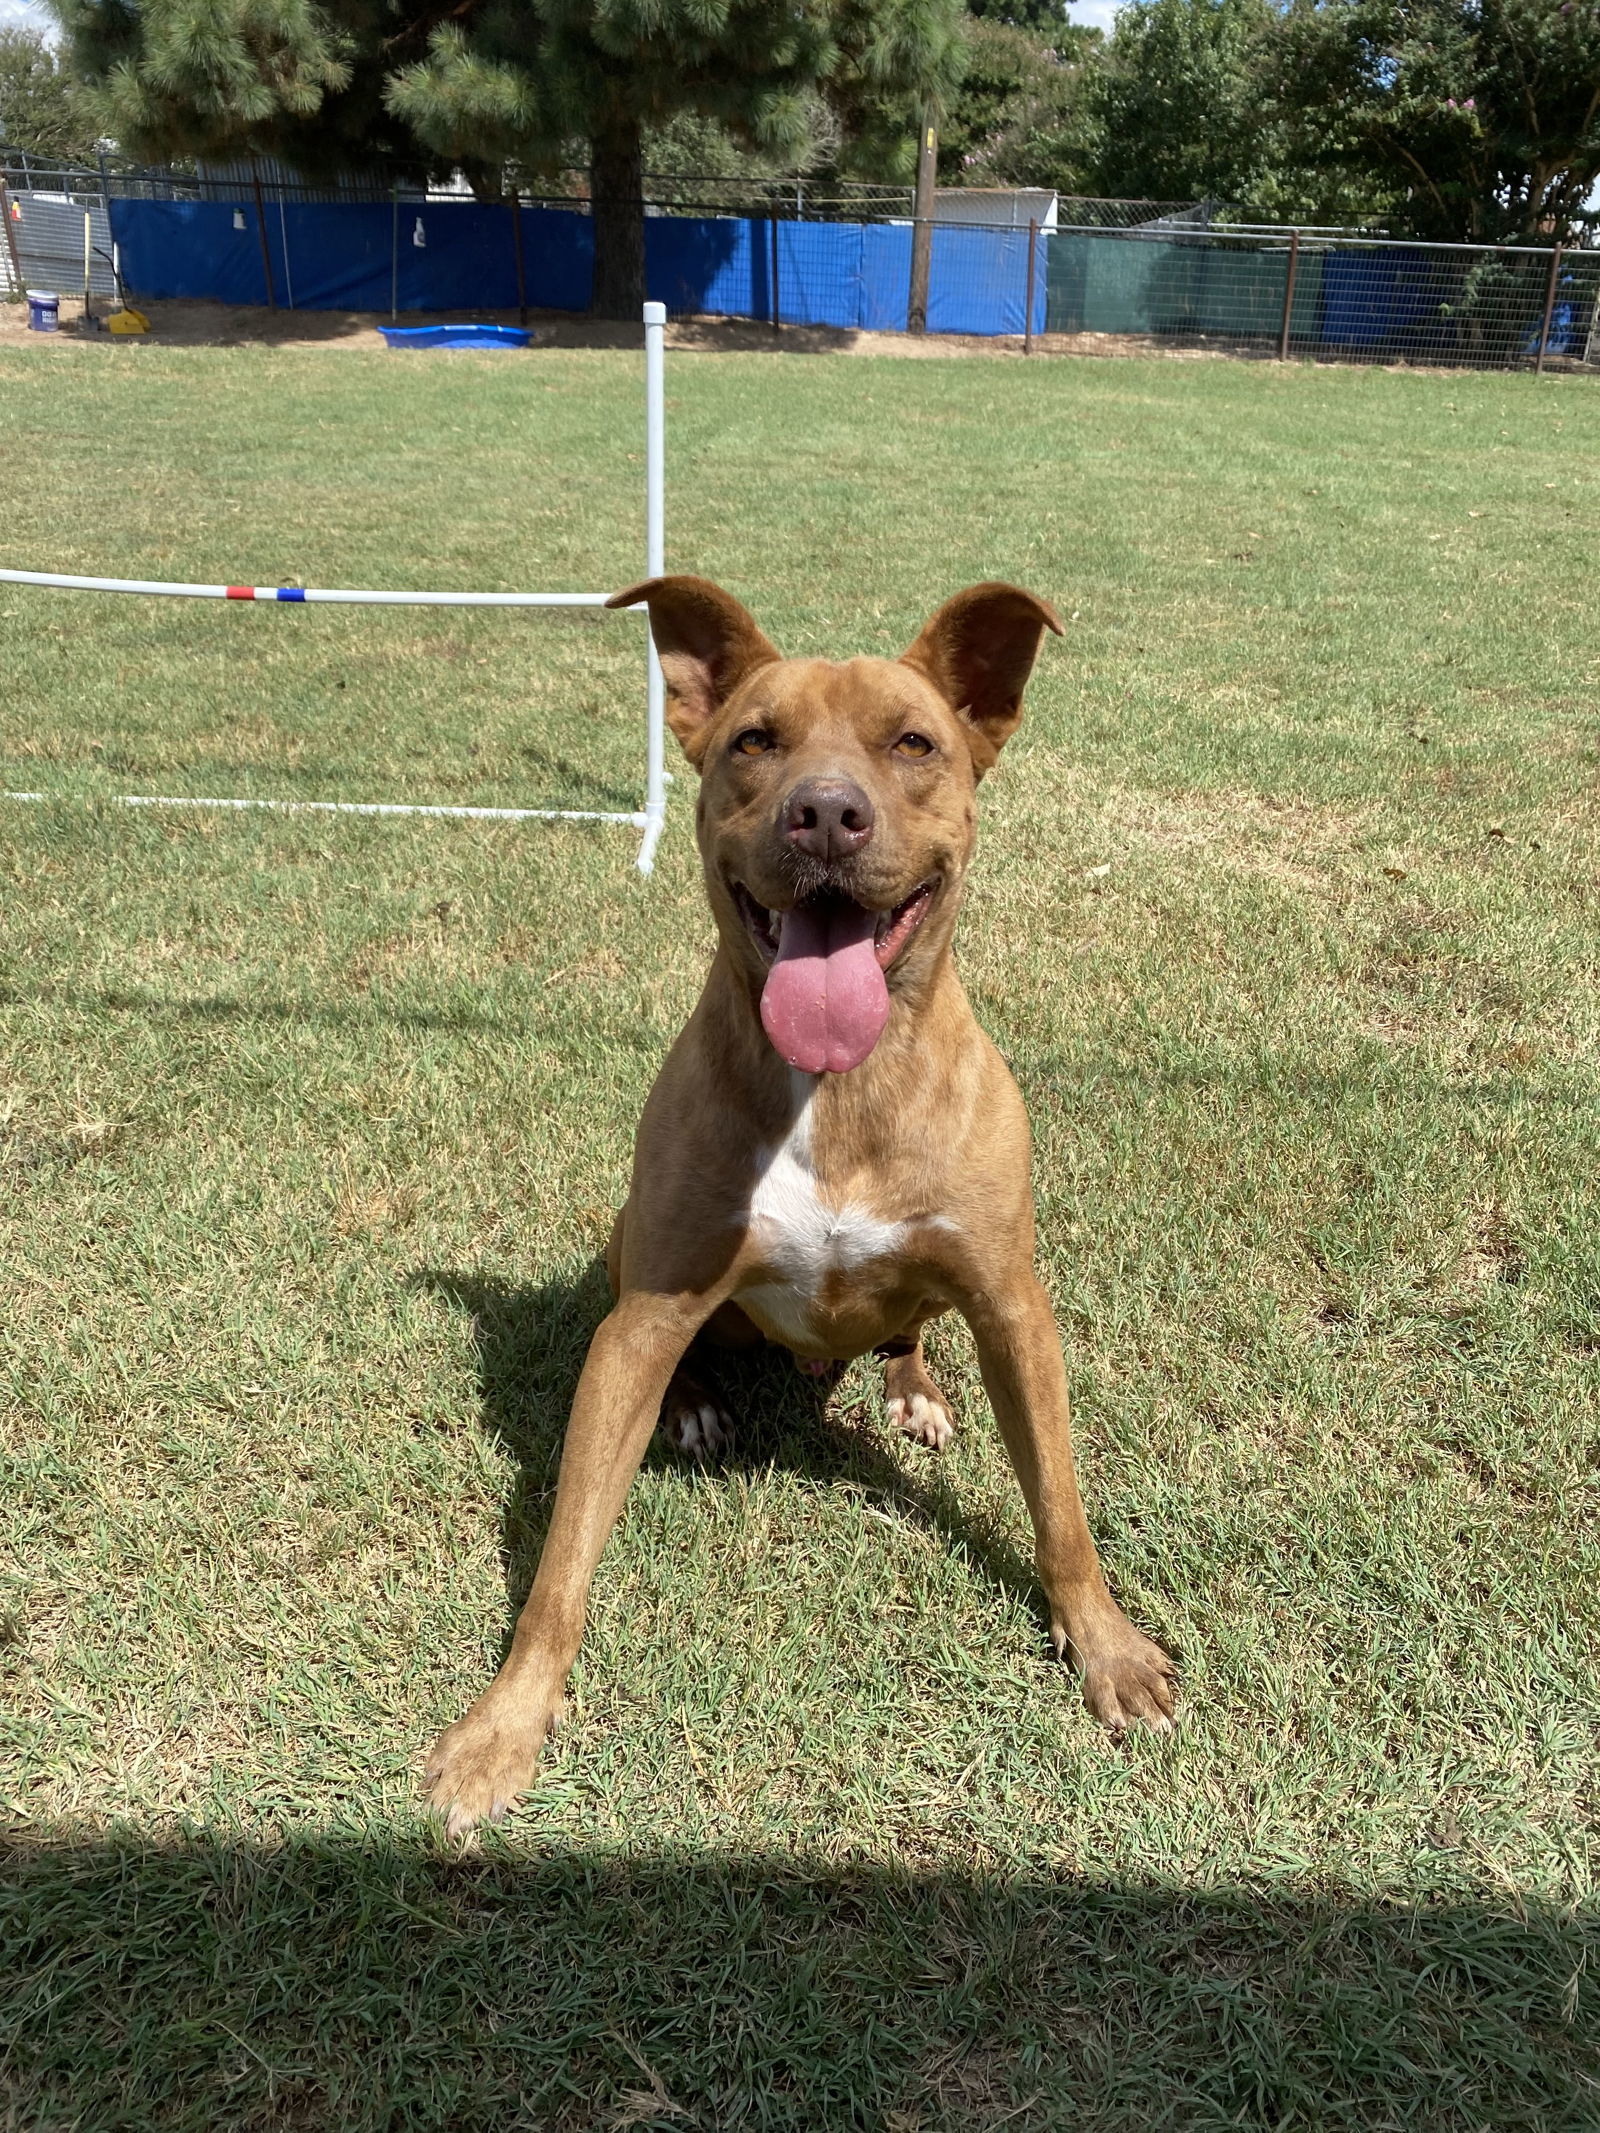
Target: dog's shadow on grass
(361, 1980)
(531, 1343)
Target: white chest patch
(803, 1239)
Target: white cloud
(1087, 14)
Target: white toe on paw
(925, 1421)
(700, 1430)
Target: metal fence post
(261, 231)
(11, 240)
(283, 238)
(777, 310)
(1549, 306)
(516, 240)
(922, 226)
(1288, 295)
(394, 250)
(1033, 262)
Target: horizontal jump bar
(295, 595)
(343, 807)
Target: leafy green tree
(42, 107)
(1025, 113)
(1478, 119)
(1046, 21)
(1198, 100)
(1180, 100)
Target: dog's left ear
(978, 652)
(706, 642)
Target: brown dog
(834, 1152)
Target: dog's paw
(694, 1423)
(478, 1766)
(923, 1418)
(1128, 1680)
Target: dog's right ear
(978, 650)
(706, 642)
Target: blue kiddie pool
(457, 336)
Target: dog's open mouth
(891, 933)
(825, 1001)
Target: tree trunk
(616, 183)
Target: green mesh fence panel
(1141, 285)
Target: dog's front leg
(480, 1764)
(1126, 1678)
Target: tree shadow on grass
(531, 1342)
(327, 1983)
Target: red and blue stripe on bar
(301, 596)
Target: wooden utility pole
(516, 242)
(922, 226)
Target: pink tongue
(825, 1003)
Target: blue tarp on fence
(1396, 300)
(462, 257)
(1375, 299)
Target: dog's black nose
(827, 818)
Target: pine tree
(523, 77)
(518, 85)
(171, 80)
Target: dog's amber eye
(913, 744)
(752, 742)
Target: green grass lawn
(1285, 915)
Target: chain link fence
(1063, 274)
(1343, 296)
(42, 243)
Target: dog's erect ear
(706, 642)
(978, 651)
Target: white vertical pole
(655, 499)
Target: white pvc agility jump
(650, 819)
